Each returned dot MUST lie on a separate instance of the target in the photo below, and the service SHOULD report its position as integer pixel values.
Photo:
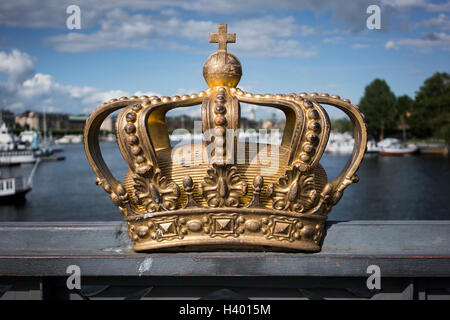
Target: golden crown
(221, 193)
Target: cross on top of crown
(222, 38)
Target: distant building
(252, 113)
(77, 122)
(7, 117)
(267, 125)
(249, 124)
(30, 120)
(181, 122)
(108, 124)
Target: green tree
(404, 104)
(341, 125)
(378, 106)
(430, 116)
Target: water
(390, 188)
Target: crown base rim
(240, 230)
(227, 244)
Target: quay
(413, 258)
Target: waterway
(390, 188)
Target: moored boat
(13, 189)
(10, 154)
(16, 157)
(393, 147)
(372, 147)
(70, 139)
(340, 143)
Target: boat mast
(45, 126)
(402, 119)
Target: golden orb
(222, 69)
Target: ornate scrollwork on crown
(155, 191)
(295, 190)
(118, 196)
(223, 187)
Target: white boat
(9, 154)
(340, 143)
(372, 147)
(14, 157)
(6, 139)
(70, 139)
(394, 147)
(30, 138)
(109, 138)
(14, 189)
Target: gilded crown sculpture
(222, 193)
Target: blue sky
(158, 47)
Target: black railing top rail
(399, 248)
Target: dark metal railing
(413, 258)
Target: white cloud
(121, 30)
(146, 93)
(405, 3)
(26, 90)
(265, 36)
(360, 46)
(390, 45)
(52, 13)
(441, 22)
(266, 47)
(334, 40)
(423, 4)
(183, 91)
(425, 44)
(113, 24)
(17, 65)
(271, 26)
(39, 85)
(271, 37)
